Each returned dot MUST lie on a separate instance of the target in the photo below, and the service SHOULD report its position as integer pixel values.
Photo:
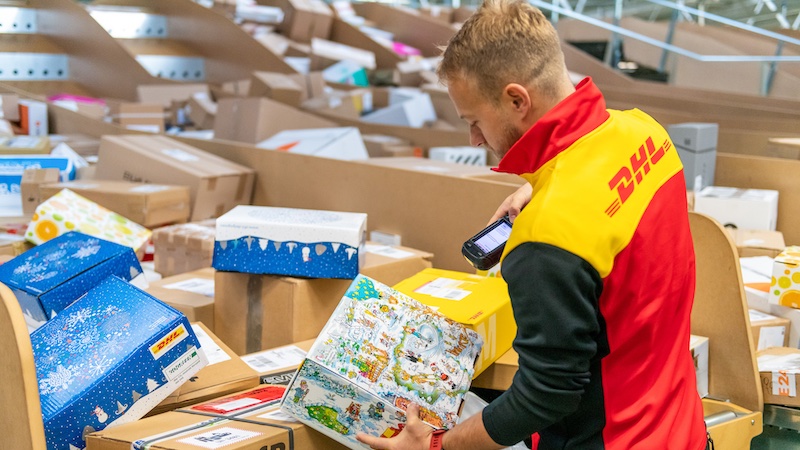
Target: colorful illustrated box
(108, 359)
(68, 211)
(479, 302)
(380, 351)
(294, 242)
(48, 278)
(784, 288)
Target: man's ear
(517, 97)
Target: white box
(340, 52)
(413, 112)
(259, 13)
(699, 348)
(33, 117)
(337, 143)
(291, 242)
(784, 288)
(749, 209)
(473, 156)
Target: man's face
(491, 126)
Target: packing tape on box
(288, 429)
(147, 442)
(254, 315)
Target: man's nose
(476, 138)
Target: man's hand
(415, 436)
(514, 203)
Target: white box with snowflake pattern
(108, 359)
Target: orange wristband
(436, 439)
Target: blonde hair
(506, 41)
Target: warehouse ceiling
(769, 14)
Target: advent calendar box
(108, 359)
(288, 241)
(48, 278)
(380, 351)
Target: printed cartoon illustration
(101, 415)
(301, 391)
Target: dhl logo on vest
(630, 175)
(167, 342)
(481, 303)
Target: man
(600, 262)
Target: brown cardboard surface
(165, 94)
(213, 380)
(772, 394)
(256, 312)
(145, 116)
(349, 34)
(30, 187)
(408, 26)
(147, 205)
(304, 19)
(757, 242)
(454, 207)
(183, 248)
(251, 120)
(756, 327)
(721, 314)
(500, 374)
(425, 165)
(216, 184)
(196, 307)
(279, 87)
(202, 110)
(269, 437)
(766, 173)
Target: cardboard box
(278, 365)
(414, 111)
(165, 94)
(150, 205)
(30, 187)
(757, 242)
(425, 165)
(750, 209)
(380, 351)
(67, 211)
(335, 51)
(33, 118)
(9, 107)
(757, 276)
(699, 347)
(259, 425)
(183, 248)
(473, 156)
(24, 145)
(379, 145)
(51, 276)
(305, 19)
(225, 374)
(257, 312)
(191, 293)
(13, 166)
(337, 143)
(202, 110)
(288, 241)
(12, 245)
(696, 144)
(768, 330)
(137, 116)
(277, 86)
(481, 303)
(785, 284)
(252, 120)
(216, 184)
(109, 359)
(778, 368)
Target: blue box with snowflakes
(380, 351)
(108, 359)
(292, 242)
(12, 167)
(48, 277)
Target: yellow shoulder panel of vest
(590, 198)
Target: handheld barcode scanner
(484, 249)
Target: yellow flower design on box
(68, 211)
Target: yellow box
(479, 302)
(784, 289)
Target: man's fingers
(412, 414)
(374, 442)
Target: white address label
(220, 437)
(445, 288)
